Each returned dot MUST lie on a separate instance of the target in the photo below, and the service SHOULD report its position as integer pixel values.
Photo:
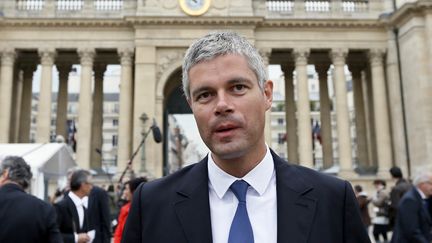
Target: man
(23, 217)
(72, 215)
(396, 193)
(413, 223)
(242, 191)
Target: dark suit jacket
(25, 218)
(312, 207)
(68, 220)
(99, 214)
(413, 222)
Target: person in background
(128, 191)
(413, 222)
(72, 216)
(23, 217)
(401, 186)
(363, 202)
(381, 201)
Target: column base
(347, 174)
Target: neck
(241, 165)
(79, 194)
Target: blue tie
(241, 229)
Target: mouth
(225, 130)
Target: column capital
(47, 56)
(64, 67)
(287, 68)
(8, 56)
(126, 55)
(338, 55)
(301, 56)
(86, 56)
(322, 68)
(356, 68)
(265, 53)
(376, 56)
(99, 70)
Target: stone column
(16, 104)
(303, 108)
(383, 141)
(26, 103)
(370, 117)
(85, 108)
(338, 57)
(290, 114)
(126, 106)
(395, 99)
(43, 126)
(265, 54)
(97, 121)
(62, 99)
(6, 84)
(145, 86)
(325, 114)
(360, 120)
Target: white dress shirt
(260, 201)
(79, 203)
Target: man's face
(87, 186)
(426, 187)
(228, 105)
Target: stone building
(386, 45)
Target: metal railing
(316, 5)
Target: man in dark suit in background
(23, 217)
(242, 191)
(99, 214)
(400, 188)
(72, 217)
(413, 221)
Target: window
(115, 122)
(114, 140)
(280, 121)
(281, 138)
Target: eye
(203, 96)
(239, 88)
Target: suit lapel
(192, 197)
(73, 212)
(295, 207)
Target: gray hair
(18, 170)
(78, 178)
(422, 177)
(218, 44)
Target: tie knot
(239, 188)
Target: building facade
(385, 44)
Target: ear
(268, 93)
(4, 177)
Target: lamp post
(143, 119)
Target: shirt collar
(422, 195)
(78, 201)
(258, 178)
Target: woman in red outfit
(129, 189)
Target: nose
(223, 105)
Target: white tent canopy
(48, 161)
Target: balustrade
(30, 5)
(70, 5)
(317, 5)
